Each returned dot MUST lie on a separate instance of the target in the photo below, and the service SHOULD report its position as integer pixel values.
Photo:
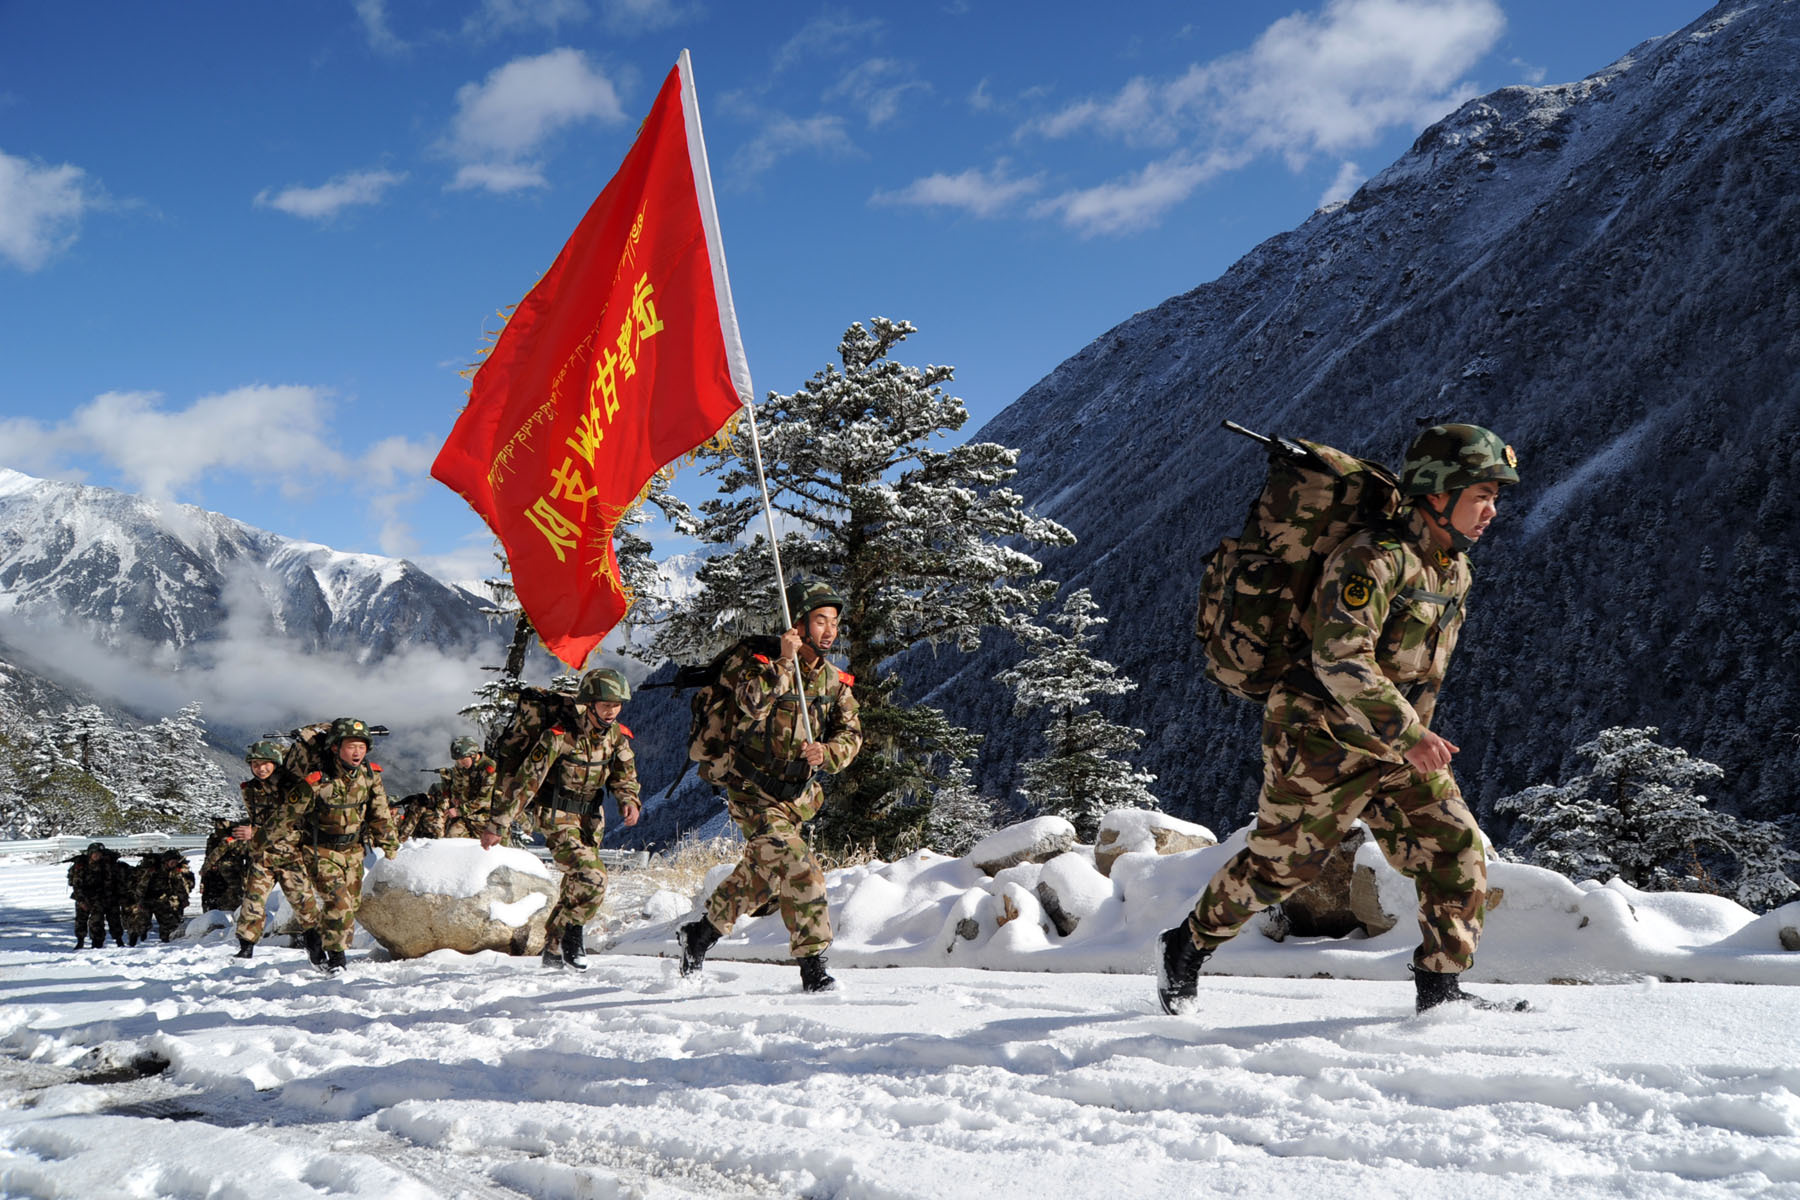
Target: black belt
(572, 802)
(786, 786)
(336, 841)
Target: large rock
(450, 894)
(1134, 830)
(1037, 840)
(1344, 898)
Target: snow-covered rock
(1036, 840)
(450, 894)
(1145, 831)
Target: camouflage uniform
(771, 794)
(223, 869)
(343, 801)
(163, 884)
(470, 791)
(277, 807)
(1383, 624)
(98, 881)
(426, 814)
(582, 765)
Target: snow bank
(448, 866)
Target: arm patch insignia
(1358, 591)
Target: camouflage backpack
(535, 709)
(713, 725)
(1257, 585)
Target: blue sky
(246, 249)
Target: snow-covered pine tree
(923, 542)
(1082, 777)
(1637, 813)
(960, 816)
(495, 700)
(176, 780)
(651, 604)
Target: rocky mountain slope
(1608, 273)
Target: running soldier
(467, 789)
(1349, 737)
(277, 803)
(771, 783)
(165, 882)
(347, 800)
(585, 762)
(97, 879)
(223, 868)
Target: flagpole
(738, 362)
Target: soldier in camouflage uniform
(467, 790)
(582, 764)
(771, 784)
(1348, 737)
(224, 866)
(277, 803)
(164, 884)
(347, 801)
(97, 879)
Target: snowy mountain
(131, 570)
(1608, 273)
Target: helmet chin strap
(1460, 542)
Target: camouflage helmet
(265, 751)
(95, 848)
(465, 747)
(804, 596)
(1449, 458)
(603, 686)
(349, 729)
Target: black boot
(334, 962)
(246, 948)
(696, 938)
(1440, 987)
(552, 959)
(574, 947)
(80, 938)
(315, 948)
(1178, 963)
(813, 977)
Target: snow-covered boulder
(1037, 840)
(1071, 887)
(450, 894)
(1144, 830)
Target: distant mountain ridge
(168, 575)
(1606, 272)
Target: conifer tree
(924, 542)
(1081, 777)
(1637, 813)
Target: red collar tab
(622, 729)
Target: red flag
(624, 357)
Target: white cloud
(784, 135)
(506, 16)
(374, 17)
(1311, 84)
(825, 36)
(40, 209)
(877, 87)
(980, 193)
(1137, 201)
(644, 16)
(503, 121)
(332, 197)
(1349, 178)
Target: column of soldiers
(314, 807)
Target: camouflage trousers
(167, 910)
(1314, 788)
(337, 877)
(778, 866)
(93, 915)
(574, 842)
(266, 871)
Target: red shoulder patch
(847, 678)
(491, 768)
(624, 729)
(375, 767)
(315, 777)
(559, 731)
(245, 784)
(761, 658)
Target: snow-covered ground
(484, 1075)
